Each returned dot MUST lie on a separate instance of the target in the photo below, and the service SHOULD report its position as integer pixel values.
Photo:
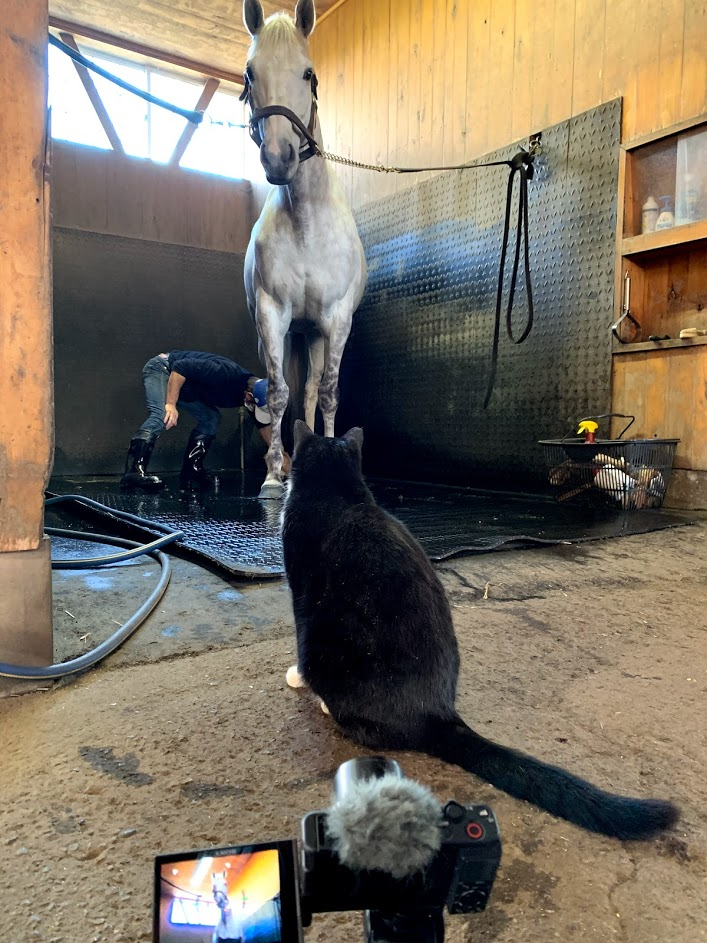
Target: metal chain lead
(534, 148)
(354, 163)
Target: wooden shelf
(643, 346)
(664, 238)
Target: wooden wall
(104, 192)
(138, 295)
(25, 273)
(26, 394)
(415, 82)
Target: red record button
(474, 830)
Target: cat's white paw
(294, 678)
(324, 708)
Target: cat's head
(317, 456)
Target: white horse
(305, 268)
(229, 928)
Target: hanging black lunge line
(522, 164)
(196, 117)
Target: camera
(266, 893)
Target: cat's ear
(355, 437)
(302, 432)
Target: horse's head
(219, 888)
(279, 77)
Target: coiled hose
(89, 659)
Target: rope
(195, 117)
(522, 165)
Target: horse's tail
(548, 787)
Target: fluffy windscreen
(387, 824)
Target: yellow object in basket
(587, 425)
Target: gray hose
(54, 499)
(122, 555)
(88, 659)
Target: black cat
(375, 641)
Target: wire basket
(629, 474)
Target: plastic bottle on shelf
(650, 211)
(691, 199)
(666, 220)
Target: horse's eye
(308, 73)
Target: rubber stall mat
(227, 526)
(231, 529)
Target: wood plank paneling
(524, 51)
(211, 32)
(561, 90)
(376, 70)
(587, 73)
(541, 77)
(500, 68)
(693, 98)
(414, 83)
(672, 25)
(477, 102)
(680, 411)
(346, 113)
(480, 74)
(455, 129)
(619, 52)
(165, 204)
(400, 27)
(647, 69)
(426, 89)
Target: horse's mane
(278, 30)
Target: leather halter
(309, 145)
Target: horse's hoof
(272, 490)
(325, 709)
(294, 678)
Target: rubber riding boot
(193, 475)
(136, 467)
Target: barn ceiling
(210, 32)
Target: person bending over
(200, 384)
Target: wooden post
(207, 93)
(95, 98)
(26, 392)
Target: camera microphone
(381, 821)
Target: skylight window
(73, 116)
(218, 145)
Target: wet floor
(591, 656)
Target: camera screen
(244, 894)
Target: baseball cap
(259, 406)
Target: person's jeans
(155, 377)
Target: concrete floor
(590, 656)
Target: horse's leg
(317, 346)
(272, 324)
(340, 327)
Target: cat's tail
(548, 787)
